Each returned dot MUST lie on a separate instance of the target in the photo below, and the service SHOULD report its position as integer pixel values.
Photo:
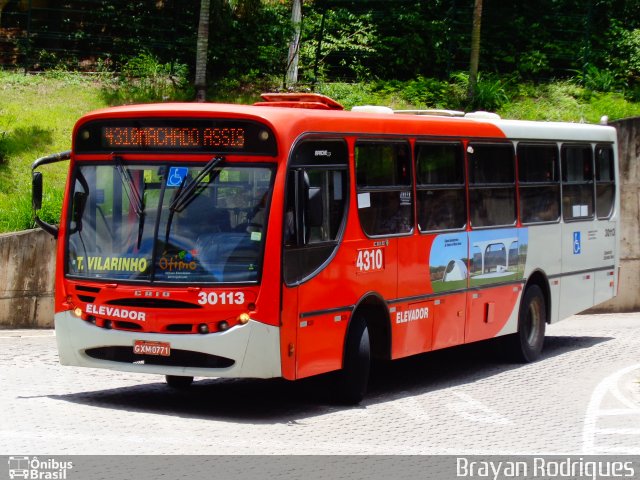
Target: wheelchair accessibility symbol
(176, 176)
(577, 248)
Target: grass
(37, 114)
(567, 102)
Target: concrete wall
(628, 298)
(26, 279)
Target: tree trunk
(294, 46)
(202, 46)
(475, 48)
(3, 3)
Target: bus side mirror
(36, 190)
(36, 202)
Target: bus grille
(90, 290)
(178, 358)
(152, 303)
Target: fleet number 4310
(370, 260)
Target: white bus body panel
(579, 278)
(555, 131)
(545, 255)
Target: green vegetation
(341, 40)
(145, 79)
(563, 100)
(37, 113)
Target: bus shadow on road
(278, 401)
(465, 364)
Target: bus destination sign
(188, 136)
(172, 137)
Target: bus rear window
(605, 181)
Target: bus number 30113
(221, 298)
(370, 260)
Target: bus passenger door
(441, 207)
(314, 292)
(577, 284)
(495, 272)
(289, 331)
(580, 250)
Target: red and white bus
(292, 238)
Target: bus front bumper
(250, 351)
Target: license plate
(142, 347)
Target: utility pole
(475, 49)
(202, 46)
(294, 47)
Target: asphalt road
(582, 397)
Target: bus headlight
(244, 318)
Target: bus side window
(605, 181)
(383, 171)
(538, 176)
(440, 186)
(577, 182)
(491, 185)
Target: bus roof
(296, 121)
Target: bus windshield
(163, 222)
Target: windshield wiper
(188, 191)
(136, 198)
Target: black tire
(526, 345)
(177, 382)
(350, 385)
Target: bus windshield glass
(163, 222)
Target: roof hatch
(299, 100)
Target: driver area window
(315, 206)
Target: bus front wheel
(526, 345)
(351, 382)
(177, 382)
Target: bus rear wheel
(526, 345)
(350, 384)
(177, 382)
